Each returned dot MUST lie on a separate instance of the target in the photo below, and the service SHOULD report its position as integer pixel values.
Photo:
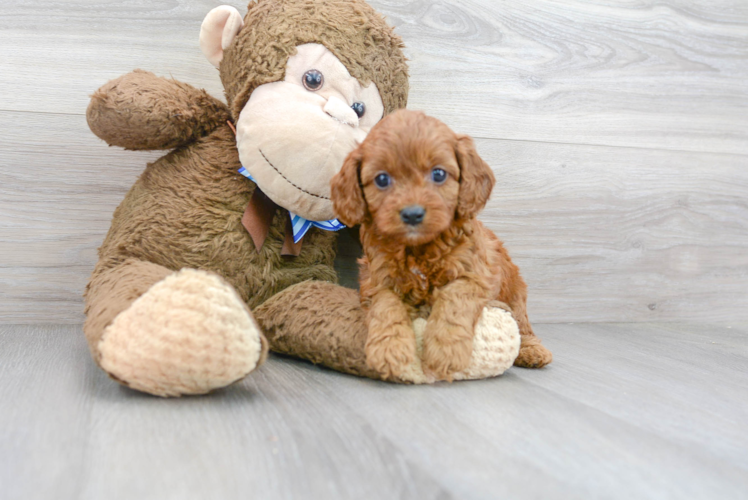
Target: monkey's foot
(495, 346)
(189, 334)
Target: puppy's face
(410, 179)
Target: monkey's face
(293, 135)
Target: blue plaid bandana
(299, 224)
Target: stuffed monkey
(228, 241)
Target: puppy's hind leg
(532, 353)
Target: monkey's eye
(313, 80)
(359, 108)
(382, 180)
(438, 175)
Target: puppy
(416, 187)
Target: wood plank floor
(618, 132)
(600, 234)
(625, 411)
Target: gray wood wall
(618, 131)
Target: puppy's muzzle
(412, 215)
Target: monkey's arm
(318, 321)
(140, 110)
(325, 323)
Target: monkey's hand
(140, 110)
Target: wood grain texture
(617, 131)
(600, 233)
(636, 73)
(610, 234)
(625, 411)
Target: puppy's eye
(313, 80)
(382, 180)
(359, 108)
(438, 175)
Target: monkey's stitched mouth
(289, 181)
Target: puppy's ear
(347, 198)
(476, 179)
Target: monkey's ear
(217, 32)
(347, 197)
(476, 179)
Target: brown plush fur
(327, 326)
(447, 267)
(117, 289)
(351, 30)
(185, 210)
(142, 111)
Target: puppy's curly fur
(444, 266)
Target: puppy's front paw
(532, 354)
(446, 350)
(391, 355)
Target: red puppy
(416, 187)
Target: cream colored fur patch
(189, 334)
(495, 347)
(296, 174)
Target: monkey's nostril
(413, 214)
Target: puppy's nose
(413, 215)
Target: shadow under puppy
(416, 187)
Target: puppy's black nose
(413, 214)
